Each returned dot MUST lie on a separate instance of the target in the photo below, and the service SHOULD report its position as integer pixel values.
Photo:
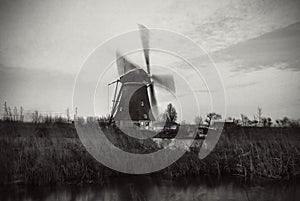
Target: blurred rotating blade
(165, 80)
(123, 64)
(144, 33)
(153, 100)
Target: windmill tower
(135, 101)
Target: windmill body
(132, 104)
(135, 102)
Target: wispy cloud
(278, 49)
(241, 20)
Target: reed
(53, 157)
(272, 157)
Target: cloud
(278, 49)
(241, 20)
(247, 37)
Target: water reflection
(140, 188)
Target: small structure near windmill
(134, 101)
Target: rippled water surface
(146, 188)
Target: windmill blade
(165, 80)
(144, 33)
(124, 65)
(153, 100)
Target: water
(142, 188)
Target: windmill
(135, 100)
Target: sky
(254, 45)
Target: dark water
(145, 188)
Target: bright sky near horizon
(255, 45)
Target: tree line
(169, 116)
(15, 114)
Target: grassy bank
(248, 154)
(51, 154)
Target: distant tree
(237, 122)
(245, 120)
(198, 120)
(259, 113)
(255, 122)
(212, 117)
(295, 123)
(76, 113)
(15, 114)
(36, 117)
(269, 122)
(285, 122)
(171, 113)
(264, 121)
(5, 116)
(59, 119)
(48, 119)
(9, 114)
(68, 115)
(21, 114)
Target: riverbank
(53, 154)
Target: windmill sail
(166, 81)
(124, 65)
(144, 32)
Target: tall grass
(53, 157)
(250, 155)
(40, 160)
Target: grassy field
(53, 154)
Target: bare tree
(259, 113)
(6, 115)
(36, 117)
(9, 114)
(171, 113)
(245, 120)
(68, 115)
(15, 114)
(76, 113)
(21, 114)
(48, 119)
